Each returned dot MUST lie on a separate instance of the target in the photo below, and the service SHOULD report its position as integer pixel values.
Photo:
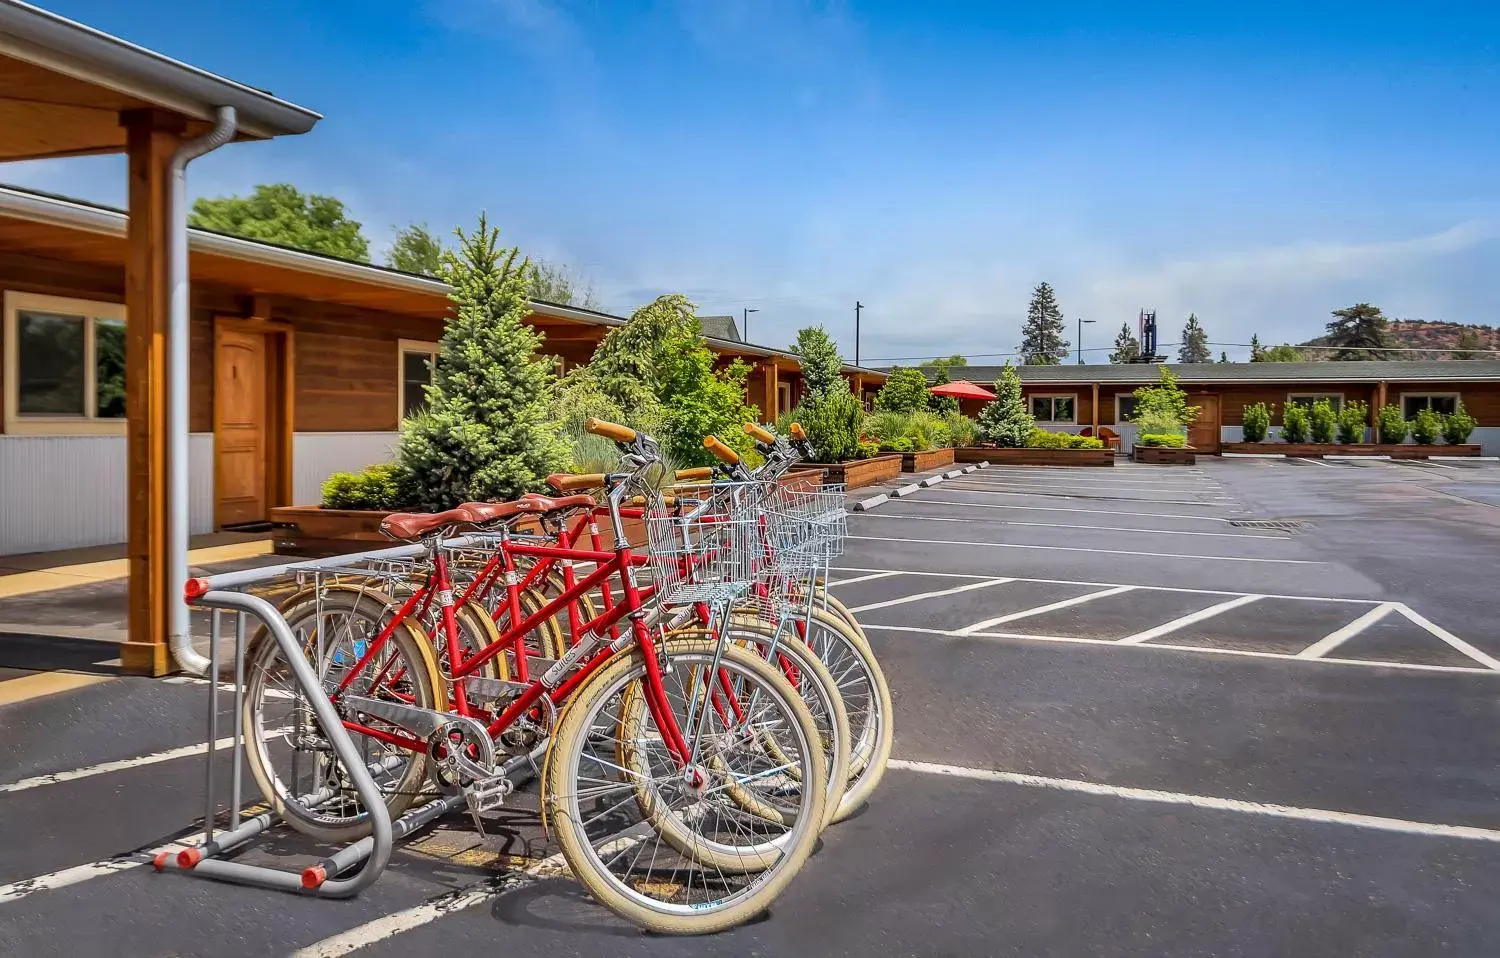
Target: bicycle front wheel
(613, 840)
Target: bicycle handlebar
(760, 434)
(610, 430)
(702, 473)
(722, 452)
(797, 432)
(563, 482)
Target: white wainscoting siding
(65, 492)
(318, 455)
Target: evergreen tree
(1042, 342)
(486, 434)
(941, 404)
(1127, 347)
(1358, 331)
(1006, 422)
(822, 367)
(1468, 342)
(1255, 349)
(1194, 348)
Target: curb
(905, 491)
(931, 481)
(954, 474)
(1466, 458)
(1253, 455)
(866, 505)
(1341, 458)
(983, 465)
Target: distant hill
(1426, 334)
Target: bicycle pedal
(487, 795)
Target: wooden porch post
(1096, 409)
(768, 410)
(151, 138)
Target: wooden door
(1203, 435)
(240, 426)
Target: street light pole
(1081, 322)
(857, 307)
(745, 322)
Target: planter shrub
(1042, 439)
(961, 428)
(1161, 440)
(1351, 422)
(1006, 422)
(1321, 421)
(1457, 426)
(1294, 422)
(376, 487)
(905, 391)
(1426, 427)
(1257, 422)
(1391, 425)
(832, 423)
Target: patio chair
(1110, 437)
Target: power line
(928, 357)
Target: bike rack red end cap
(313, 876)
(160, 859)
(194, 589)
(189, 857)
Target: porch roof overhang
(64, 86)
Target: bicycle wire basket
(706, 551)
(805, 528)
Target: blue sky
(1260, 164)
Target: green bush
(1163, 408)
(1457, 426)
(1087, 442)
(961, 428)
(904, 391)
(865, 449)
(1294, 422)
(1352, 419)
(899, 444)
(1167, 440)
(1006, 422)
(1322, 421)
(833, 424)
(1257, 422)
(1391, 425)
(1426, 427)
(375, 487)
(1043, 439)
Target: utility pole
(1081, 321)
(857, 307)
(745, 322)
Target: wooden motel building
(1072, 398)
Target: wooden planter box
(923, 461)
(1035, 457)
(315, 531)
(861, 472)
(1317, 450)
(1164, 455)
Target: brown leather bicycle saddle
(415, 525)
(555, 503)
(487, 512)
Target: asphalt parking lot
(1245, 708)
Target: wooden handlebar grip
(760, 433)
(797, 432)
(695, 475)
(722, 452)
(564, 482)
(610, 430)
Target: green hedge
(1165, 440)
(1042, 439)
(378, 487)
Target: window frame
(1314, 397)
(404, 346)
(1456, 397)
(88, 422)
(1120, 398)
(1054, 421)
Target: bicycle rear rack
(225, 595)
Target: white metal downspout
(179, 625)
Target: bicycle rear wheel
(612, 845)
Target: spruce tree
(486, 434)
(1223, 356)
(1006, 422)
(941, 404)
(1042, 342)
(1255, 348)
(822, 367)
(1194, 348)
(1127, 347)
(1359, 331)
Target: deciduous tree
(280, 213)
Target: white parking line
(862, 578)
(969, 587)
(1143, 481)
(17, 890)
(1070, 509)
(1167, 628)
(1051, 607)
(1319, 816)
(104, 768)
(1111, 552)
(1074, 525)
(1453, 640)
(960, 487)
(1314, 461)
(1339, 636)
(1172, 647)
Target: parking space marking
(967, 587)
(1050, 607)
(120, 765)
(1074, 525)
(1453, 640)
(1167, 628)
(1338, 637)
(1111, 552)
(1206, 649)
(1099, 585)
(1131, 488)
(1321, 816)
(960, 487)
(1319, 462)
(17, 890)
(863, 578)
(1153, 483)
(1069, 509)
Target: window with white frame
(416, 363)
(64, 365)
(1062, 409)
(1336, 400)
(1413, 403)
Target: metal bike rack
(222, 594)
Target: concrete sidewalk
(35, 572)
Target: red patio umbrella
(961, 389)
